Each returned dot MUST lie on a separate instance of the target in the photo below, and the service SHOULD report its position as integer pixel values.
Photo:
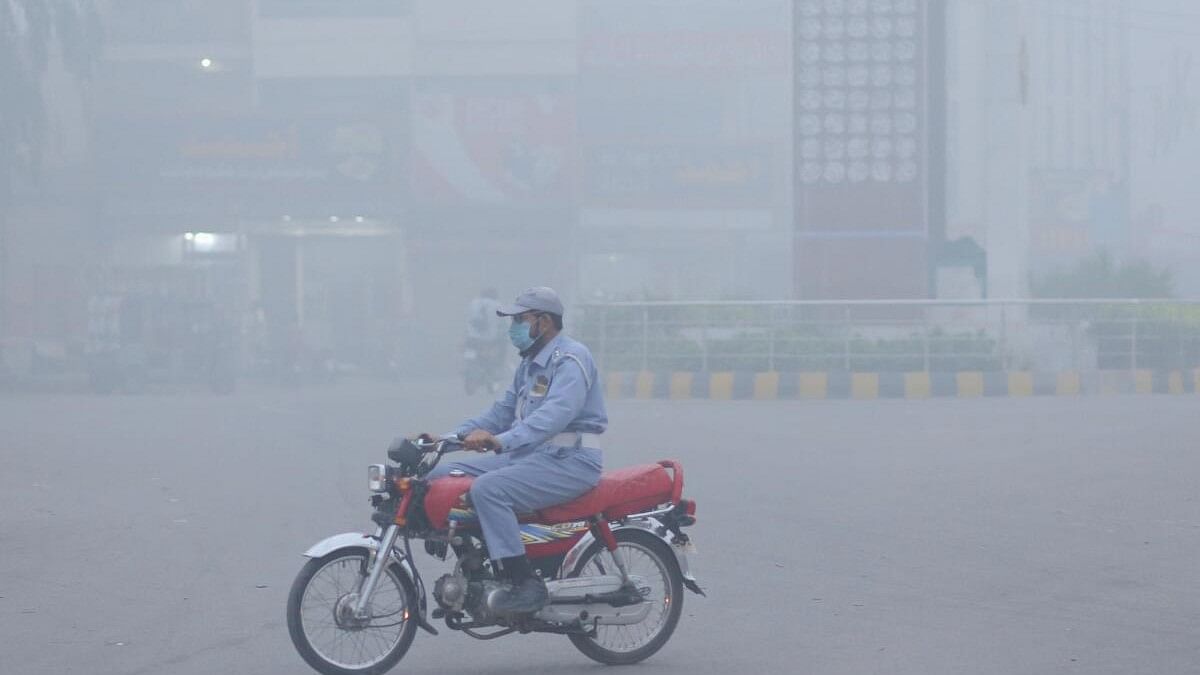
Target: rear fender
(649, 524)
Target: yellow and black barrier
(770, 386)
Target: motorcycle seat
(620, 493)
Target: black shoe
(525, 597)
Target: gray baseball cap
(536, 299)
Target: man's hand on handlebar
(481, 441)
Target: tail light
(685, 512)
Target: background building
(329, 172)
(493, 163)
(1165, 136)
(1038, 133)
(685, 131)
(255, 156)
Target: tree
(1099, 276)
(31, 31)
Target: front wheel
(321, 619)
(650, 558)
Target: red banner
(483, 148)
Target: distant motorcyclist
(482, 326)
(483, 356)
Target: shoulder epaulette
(559, 355)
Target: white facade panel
(482, 59)
(492, 21)
(1165, 143)
(333, 47)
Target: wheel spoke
(329, 631)
(641, 562)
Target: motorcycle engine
(455, 594)
(478, 604)
(450, 591)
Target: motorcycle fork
(380, 560)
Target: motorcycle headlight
(377, 478)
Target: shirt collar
(543, 356)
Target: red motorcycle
(614, 560)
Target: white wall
(1165, 147)
(333, 47)
(485, 38)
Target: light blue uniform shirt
(554, 391)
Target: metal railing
(894, 335)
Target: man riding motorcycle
(544, 433)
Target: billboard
(667, 175)
(862, 140)
(685, 105)
(251, 166)
(493, 147)
(1074, 214)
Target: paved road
(145, 535)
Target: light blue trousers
(508, 484)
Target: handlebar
(447, 443)
(412, 454)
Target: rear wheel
(321, 621)
(648, 557)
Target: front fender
(356, 540)
(339, 541)
(651, 525)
